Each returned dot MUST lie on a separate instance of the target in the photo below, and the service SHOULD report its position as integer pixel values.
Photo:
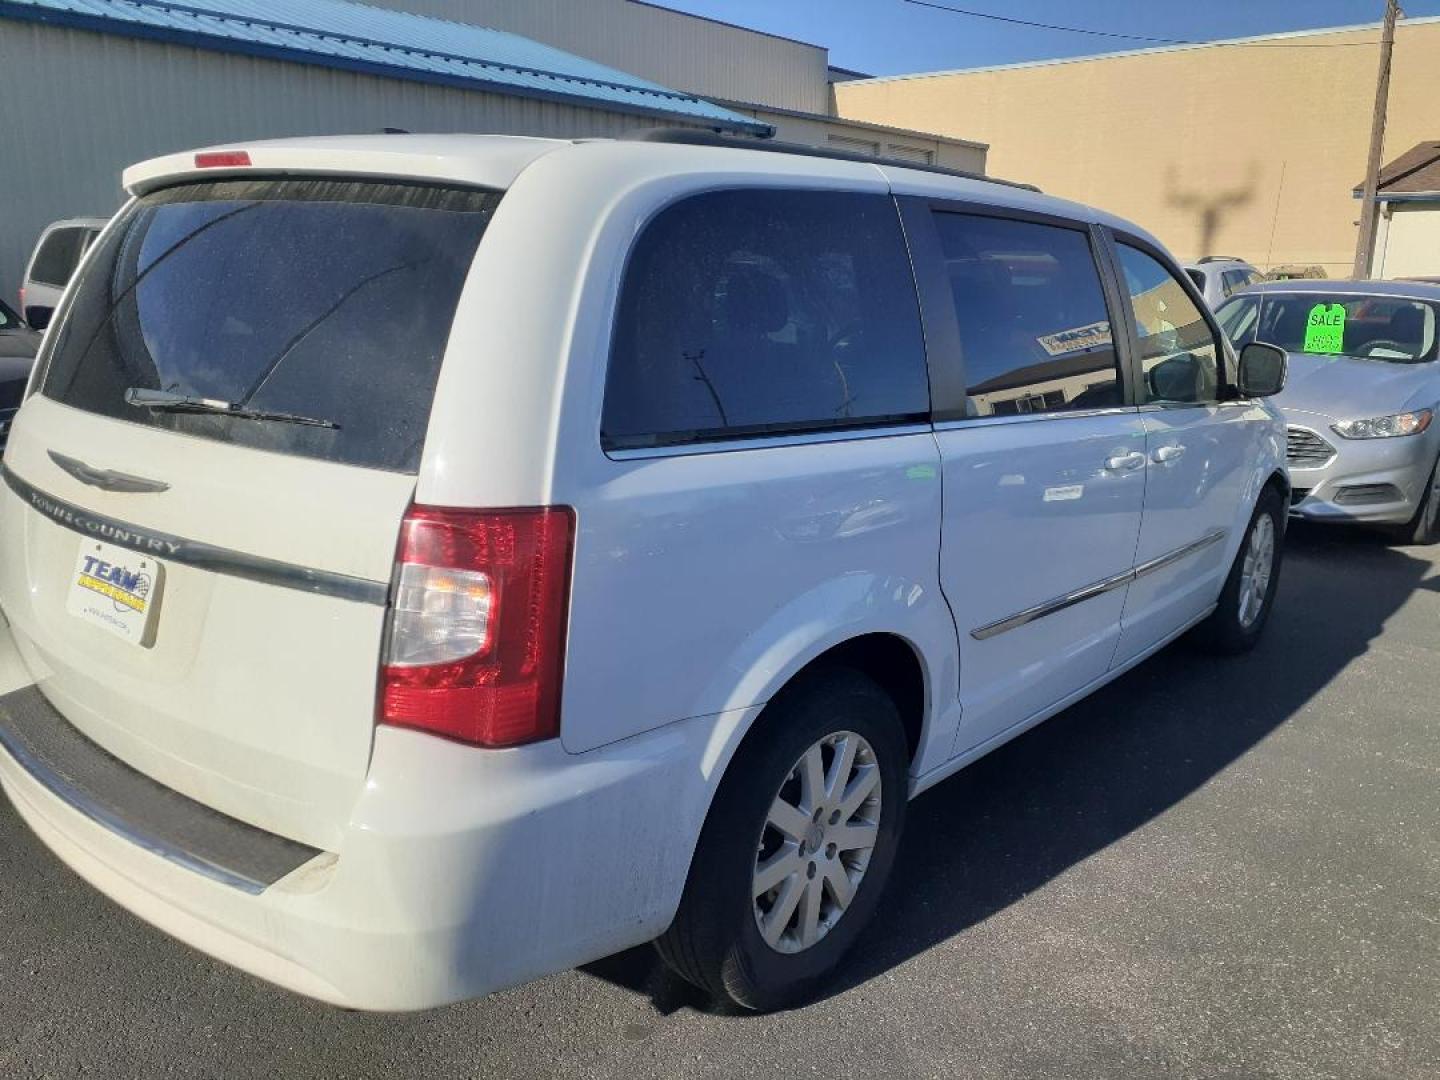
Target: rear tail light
(476, 645)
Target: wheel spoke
(778, 917)
(840, 768)
(858, 791)
(812, 778)
(837, 880)
(776, 869)
(808, 928)
(858, 837)
(789, 820)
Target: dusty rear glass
(319, 298)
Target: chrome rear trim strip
(196, 553)
(1060, 603)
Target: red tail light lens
(222, 159)
(477, 629)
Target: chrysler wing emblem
(106, 479)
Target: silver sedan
(1361, 397)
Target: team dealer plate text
(117, 589)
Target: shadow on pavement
(1019, 817)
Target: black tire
(715, 941)
(1225, 632)
(1424, 527)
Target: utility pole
(1365, 242)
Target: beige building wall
(1248, 151)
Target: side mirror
(38, 317)
(1262, 370)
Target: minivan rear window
(322, 305)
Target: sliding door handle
(1125, 462)
(1169, 453)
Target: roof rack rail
(1218, 258)
(697, 137)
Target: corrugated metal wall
(708, 58)
(77, 107)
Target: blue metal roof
(336, 33)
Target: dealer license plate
(117, 589)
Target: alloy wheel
(816, 842)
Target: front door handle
(1169, 453)
(1125, 462)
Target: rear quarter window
(328, 299)
(754, 312)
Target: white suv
(428, 563)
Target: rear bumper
(461, 871)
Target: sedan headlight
(1385, 427)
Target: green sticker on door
(1325, 329)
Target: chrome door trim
(1088, 592)
(1050, 607)
(196, 553)
(106, 479)
(1162, 561)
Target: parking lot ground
(1210, 868)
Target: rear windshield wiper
(166, 401)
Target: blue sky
(888, 37)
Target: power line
(1136, 37)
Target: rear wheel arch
(889, 660)
(710, 941)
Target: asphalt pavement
(1211, 868)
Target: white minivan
(428, 563)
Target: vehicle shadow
(1019, 817)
